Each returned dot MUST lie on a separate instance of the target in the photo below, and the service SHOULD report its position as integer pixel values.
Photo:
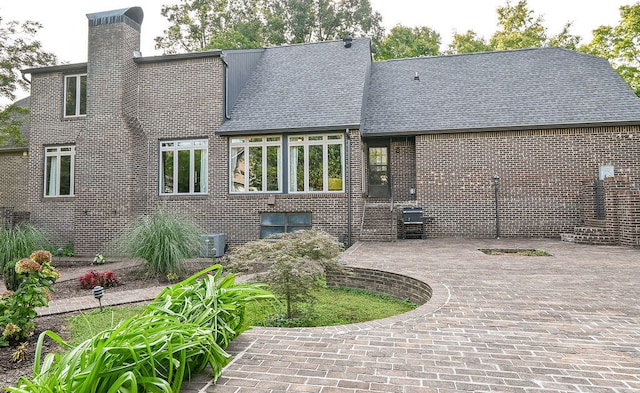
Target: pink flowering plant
(17, 309)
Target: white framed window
(316, 163)
(59, 171)
(255, 164)
(183, 167)
(75, 95)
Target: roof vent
(416, 77)
(347, 41)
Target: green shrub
(11, 280)
(294, 263)
(163, 241)
(19, 242)
(17, 309)
(185, 329)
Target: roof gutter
(366, 133)
(337, 128)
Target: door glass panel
(378, 166)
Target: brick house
(14, 164)
(252, 142)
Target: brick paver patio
(566, 323)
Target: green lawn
(332, 307)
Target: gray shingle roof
(315, 86)
(521, 89)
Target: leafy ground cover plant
(294, 263)
(185, 329)
(94, 278)
(17, 309)
(162, 240)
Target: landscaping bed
(130, 277)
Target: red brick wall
(542, 174)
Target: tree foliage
(519, 27)
(405, 41)
(11, 120)
(19, 49)
(294, 263)
(621, 45)
(468, 42)
(204, 24)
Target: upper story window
(316, 163)
(183, 167)
(75, 95)
(59, 171)
(255, 164)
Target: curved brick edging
(395, 285)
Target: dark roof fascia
(180, 56)
(290, 130)
(503, 128)
(13, 149)
(63, 68)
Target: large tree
(19, 49)
(518, 28)
(202, 24)
(468, 42)
(621, 45)
(405, 41)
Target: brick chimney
(107, 152)
(114, 37)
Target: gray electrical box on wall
(213, 245)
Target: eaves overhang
(298, 130)
(176, 57)
(63, 68)
(520, 127)
(14, 149)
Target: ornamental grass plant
(184, 330)
(19, 242)
(163, 240)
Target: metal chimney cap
(347, 41)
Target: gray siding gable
(318, 86)
(521, 89)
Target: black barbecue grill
(413, 222)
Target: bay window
(183, 167)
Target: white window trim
(244, 142)
(190, 145)
(325, 142)
(58, 153)
(78, 95)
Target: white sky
(65, 23)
